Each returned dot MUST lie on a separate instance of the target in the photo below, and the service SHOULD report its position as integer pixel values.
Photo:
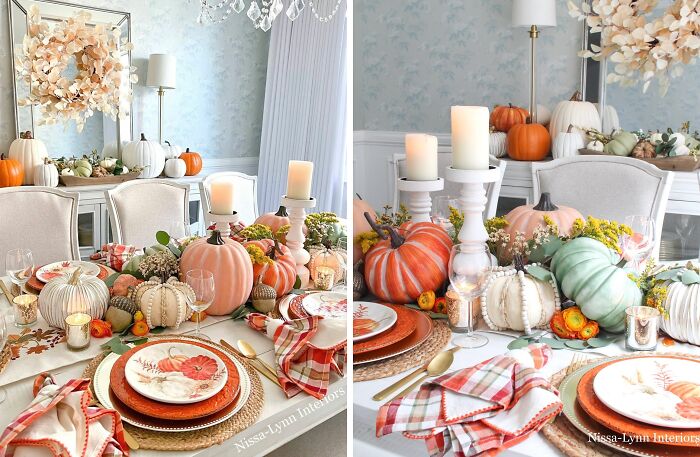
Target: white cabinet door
(89, 229)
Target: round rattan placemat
(417, 356)
(570, 440)
(5, 356)
(198, 439)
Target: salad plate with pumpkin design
(370, 319)
(332, 305)
(660, 391)
(176, 372)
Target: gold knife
(6, 291)
(258, 368)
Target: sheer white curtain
(305, 109)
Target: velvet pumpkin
(193, 161)
(274, 220)
(528, 141)
(30, 152)
(408, 261)
(229, 262)
(587, 273)
(281, 273)
(11, 172)
(360, 224)
(503, 117)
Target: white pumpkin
(146, 154)
(567, 144)
(67, 172)
(70, 294)
(164, 304)
(610, 120)
(171, 151)
(679, 137)
(114, 149)
(175, 168)
(514, 300)
(683, 306)
(582, 115)
(497, 144)
(30, 152)
(46, 174)
(681, 150)
(595, 145)
(656, 137)
(108, 163)
(544, 115)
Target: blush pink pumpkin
(274, 220)
(229, 262)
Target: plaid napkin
(115, 255)
(479, 410)
(60, 421)
(306, 351)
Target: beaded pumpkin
(164, 304)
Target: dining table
(365, 409)
(281, 420)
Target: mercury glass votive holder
(642, 328)
(26, 310)
(324, 278)
(78, 331)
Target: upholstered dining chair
(140, 208)
(245, 195)
(606, 187)
(42, 219)
(493, 190)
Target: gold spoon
(440, 364)
(248, 351)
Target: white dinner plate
(333, 305)
(176, 373)
(56, 269)
(655, 390)
(370, 319)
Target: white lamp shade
(161, 71)
(542, 13)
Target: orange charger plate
(424, 328)
(406, 323)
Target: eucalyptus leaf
(554, 344)
(518, 343)
(575, 344)
(537, 254)
(162, 237)
(157, 330)
(240, 312)
(690, 277)
(552, 246)
(538, 272)
(174, 249)
(297, 283)
(598, 342)
(672, 274)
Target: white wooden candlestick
(223, 221)
(295, 237)
(472, 200)
(419, 201)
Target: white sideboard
(94, 228)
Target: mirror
(63, 138)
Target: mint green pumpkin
(337, 234)
(587, 273)
(157, 248)
(132, 266)
(82, 168)
(622, 144)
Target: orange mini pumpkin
(503, 117)
(281, 272)
(528, 141)
(193, 161)
(11, 172)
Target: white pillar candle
(470, 137)
(421, 157)
(221, 194)
(299, 176)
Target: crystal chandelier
(262, 16)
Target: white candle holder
(223, 222)
(472, 200)
(295, 237)
(419, 201)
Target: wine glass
(637, 247)
(468, 269)
(440, 211)
(4, 336)
(202, 283)
(19, 264)
(178, 230)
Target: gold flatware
(379, 396)
(6, 291)
(248, 351)
(128, 437)
(440, 364)
(258, 368)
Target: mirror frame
(11, 20)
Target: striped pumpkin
(400, 268)
(281, 273)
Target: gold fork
(577, 362)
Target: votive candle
(299, 176)
(78, 331)
(470, 137)
(222, 192)
(421, 157)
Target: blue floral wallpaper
(413, 59)
(217, 106)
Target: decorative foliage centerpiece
(48, 55)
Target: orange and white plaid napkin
(115, 255)
(479, 410)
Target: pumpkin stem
(359, 196)
(26, 135)
(187, 150)
(143, 137)
(396, 239)
(282, 212)
(76, 275)
(215, 238)
(46, 161)
(528, 120)
(510, 105)
(275, 248)
(545, 203)
(570, 129)
(577, 97)
(168, 143)
(519, 262)
(375, 226)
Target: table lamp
(161, 74)
(534, 14)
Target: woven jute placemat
(5, 356)
(420, 355)
(198, 439)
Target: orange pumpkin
(684, 390)
(281, 273)
(503, 118)
(11, 172)
(528, 141)
(229, 262)
(360, 224)
(124, 284)
(172, 362)
(274, 220)
(401, 268)
(193, 162)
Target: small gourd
(164, 304)
(567, 144)
(497, 143)
(264, 297)
(622, 144)
(175, 168)
(82, 168)
(595, 145)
